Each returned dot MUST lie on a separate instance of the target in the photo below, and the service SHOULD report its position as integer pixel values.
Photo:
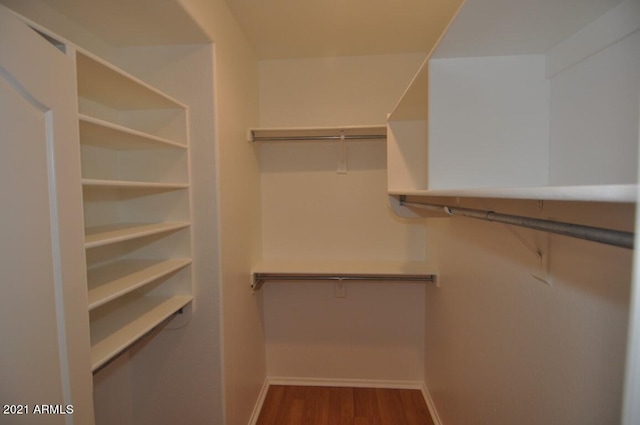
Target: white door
(44, 336)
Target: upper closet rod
(305, 138)
(595, 234)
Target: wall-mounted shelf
(100, 81)
(339, 136)
(123, 184)
(114, 233)
(298, 134)
(517, 104)
(111, 281)
(596, 193)
(101, 133)
(112, 332)
(342, 271)
(260, 278)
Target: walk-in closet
(246, 213)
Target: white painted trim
(432, 407)
(631, 397)
(253, 419)
(355, 383)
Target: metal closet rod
(318, 138)
(594, 234)
(261, 278)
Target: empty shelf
(97, 132)
(123, 184)
(113, 233)
(596, 193)
(114, 333)
(114, 280)
(103, 83)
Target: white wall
(238, 214)
(594, 115)
(504, 348)
(501, 103)
(312, 213)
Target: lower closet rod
(594, 234)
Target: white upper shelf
(515, 101)
(593, 193)
(97, 132)
(105, 84)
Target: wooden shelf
(97, 132)
(114, 280)
(114, 233)
(113, 333)
(103, 83)
(119, 184)
(342, 270)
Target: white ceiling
(283, 29)
(278, 29)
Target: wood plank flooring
(302, 405)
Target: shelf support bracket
(542, 255)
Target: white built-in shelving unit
(135, 178)
(524, 99)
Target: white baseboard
(356, 383)
(432, 407)
(258, 407)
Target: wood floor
(297, 405)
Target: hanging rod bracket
(342, 154)
(260, 278)
(541, 254)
